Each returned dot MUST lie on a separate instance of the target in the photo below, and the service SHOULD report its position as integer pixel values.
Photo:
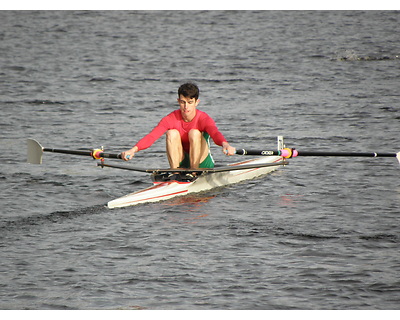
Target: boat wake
(37, 220)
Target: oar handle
(246, 152)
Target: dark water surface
(321, 233)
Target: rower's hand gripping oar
(291, 153)
(35, 152)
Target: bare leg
(174, 148)
(198, 148)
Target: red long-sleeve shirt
(202, 122)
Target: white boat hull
(166, 190)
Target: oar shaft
(85, 153)
(288, 153)
(344, 154)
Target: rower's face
(187, 105)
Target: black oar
(291, 153)
(35, 152)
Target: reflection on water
(188, 209)
(289, 200)
(192, 201)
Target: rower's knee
(195, 135)
(173, 135)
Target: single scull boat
(178, 185)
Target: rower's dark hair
(189, 90)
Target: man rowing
(188, 131)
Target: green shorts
(208, 161)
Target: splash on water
(351, 55)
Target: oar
(291, 153)
(35, 152)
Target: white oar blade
(398, 156)
(35, 152)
